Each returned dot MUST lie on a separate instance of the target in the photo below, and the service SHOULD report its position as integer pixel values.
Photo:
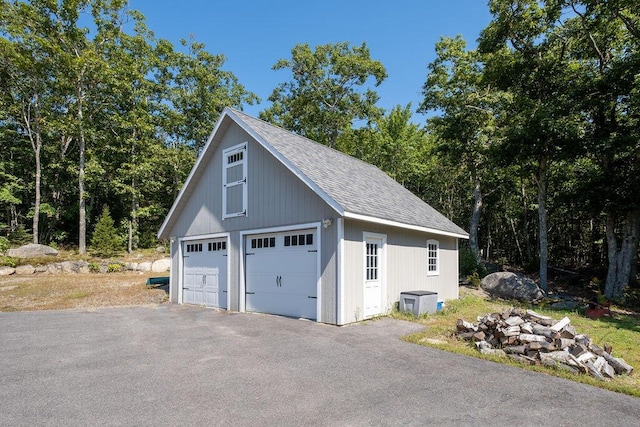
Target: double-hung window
(234, 181)
(433, 258)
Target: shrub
(4, 244)
(105, 241)
(468, 264)
(6, 261)
(20, 236)
(114, 268)
(94, 267)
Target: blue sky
(254, 34)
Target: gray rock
(25, 269)
(7, 271)
(54, 268)
(161, 265)
(74, 267)
(509, 285)
(41, 268)
(145, 266)
(133, 266)
(32, 250)
(160, 249)
(565, 305)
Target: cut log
(465, 335)
(563, 343)
(514, 321)
(539, 318)
(593, 371)
(479, 336)
(596, 350)
(585, 357)
(541, 345)
(599, 363)
(511, 331)
(482, 344)
(620, 366)
(545, 332)
(531, 338)
(583, 339)
(578, 349)
(515, 349)
(557, 327)
(608, 370)
(527, 328)
(462, 325)
(568, 332)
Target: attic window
(234, 181)
(433, 262)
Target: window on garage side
(234, 181)
(433, 261)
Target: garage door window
(217, 246)
(263, 242)
(234, 181)
(194, 247)
(298, 240)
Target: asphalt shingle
(358, 187)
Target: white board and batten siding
(405, 262)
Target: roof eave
(382, 221)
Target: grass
(622, 332)
(68, 291)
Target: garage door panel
(285, 305)
(281, 273)
(205, 273)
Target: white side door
(373, 276)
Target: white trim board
(391, 223)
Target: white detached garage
(272, 222)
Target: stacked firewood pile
(534, 339)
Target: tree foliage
(329, 92)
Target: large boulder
(161, 266)
(509, 285)
(32, 250)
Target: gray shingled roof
(358, 187)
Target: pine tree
(105, 241)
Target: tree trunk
(475, 218)
(82, 228)
(542, 220)
(620, 256)
(36, 145)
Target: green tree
(105, 241)
(468, 110)
(528, 56)
(329, 92)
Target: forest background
(531, 141)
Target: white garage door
(281, 273)
(205, 273)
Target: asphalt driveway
(179, 365)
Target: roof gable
(353, 188)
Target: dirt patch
(65, 291)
